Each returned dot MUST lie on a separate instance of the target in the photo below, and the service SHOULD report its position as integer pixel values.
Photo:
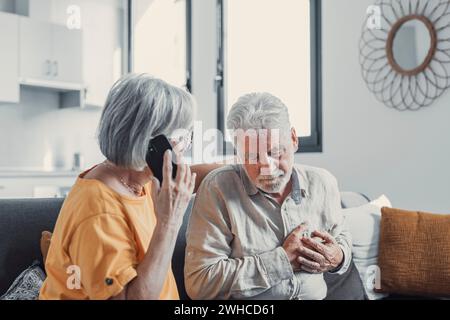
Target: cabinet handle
(48, 65)
(55, 68)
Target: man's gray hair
(140, 107)
(259, 111)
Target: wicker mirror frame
(390, 45)
(393, 85)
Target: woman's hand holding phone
(172, 198)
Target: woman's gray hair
(259, 111)
(140, 107)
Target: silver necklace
(134, 190)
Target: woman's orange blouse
(99, 239)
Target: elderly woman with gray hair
(117, 229)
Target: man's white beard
(275, 185)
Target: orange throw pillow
(414, 253)
(45, 244)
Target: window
(272, 46)
(161, 39)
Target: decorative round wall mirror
(405, 52)
(402, 55)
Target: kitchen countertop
(36, 172)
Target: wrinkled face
(268, 158)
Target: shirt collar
(296, 193)
(248, 184)
(299, 186)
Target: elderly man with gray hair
(265, 228)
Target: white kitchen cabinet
(67, 54)
(50, 52)
(9, 62)
(35, 49)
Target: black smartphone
(155, 157)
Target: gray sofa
(22, 221)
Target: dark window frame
(309, 144)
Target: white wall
(368, 147)
(371, 148)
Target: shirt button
(109, 281)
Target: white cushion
(364, 225)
